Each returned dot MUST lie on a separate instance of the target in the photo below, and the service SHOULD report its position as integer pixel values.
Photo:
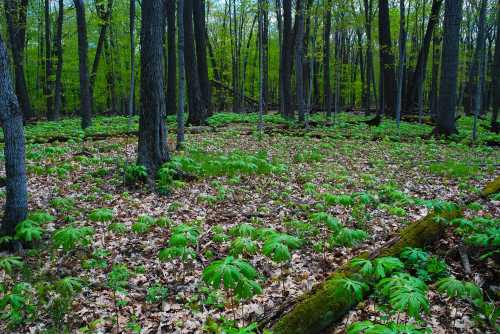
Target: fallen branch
(327, 304)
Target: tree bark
(48, 65)
(200, 30)
(197, 108)
(481, 59)
(495, 127)
(16, 11)
(299, 60)
(171, 61)
(417, 81)
(16, 204)
(388, 76)
(132, 60)
(327, 90)
(85, 98)
(182, 75)
(59, 54)
(286, 59)
(449, 68)
(152, 148)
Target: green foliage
(355, 289)
(229, 327)
(101, 215)
(143, 224)
(277, 247)
(328, 220)
(348, 237)
(244, 230)
(9, 263)
(233, 274)
(243, 246)
(453, 169)
(68, 286)
(344, 200)
(28, 230)
(118, 278)
(180, 242)
(16, 305)
(135, 173)
(156, 293)
(368, 327)
(379, 268)
(405, 293)
(118, 228)
(71, 237)
(98, 259)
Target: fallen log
(326, 304)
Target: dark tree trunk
(449, 68)
(16, 11)
(171, 61)
(366, 100)
(299, 59)
(59, 67)
(152, 149)
(496, 76)
(105, 17)
(48, 65)
(386, 59)
(327, 90)
(85, 98)
(435, 74)
(286, 59)
(132, 60)
(265, 56)
(182, 76)
(200, 30)
(481, 60)
(197, 108)
(417, 81)
(16, 204)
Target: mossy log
(326, 304)
(491, 188)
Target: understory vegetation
(243, 222)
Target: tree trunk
(48, 65)
(449, 68)
(327, 90)
(200, 30)
(105, 17)
(16, 204)
(435, 75)
(171, 62)
(286, 59)
(132, 60)
(366, 100)
(85, 98)
(388, 76)
(299, 60)
(479, 81)
(416, 84)
(182, 75)
(16, 11)
(152, 148)
(496, 77)
(402, 59)
(197, 108)
(59, 67)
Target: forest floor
(274, 181)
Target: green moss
(328, 303)
(491, 188)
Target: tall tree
(171, 61)
(481, 59)
(402, 60)
(132, 59)
(416, 84)
(366, 99)
(182, 75)
(495, 126)
(200, 32)
(85, 97)
(286, 59)
(59, 55)
(327, 26)
(299, 59)
(16, 203)
(388, 77)
(197, 108)
(449, 68)
(48, 64)
(152, 149)
(16, 11)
